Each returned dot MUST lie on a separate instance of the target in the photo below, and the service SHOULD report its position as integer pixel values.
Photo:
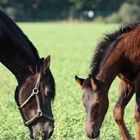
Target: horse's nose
(50, 133)
(47, 134)
(90, 134)
(93, 134)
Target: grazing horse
(118, 54)
(36, 86)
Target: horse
(36, 86)
(118, 54)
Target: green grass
(71, 47)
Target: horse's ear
(46, 62)
(79, 81)
(93, 82)
(42, 59)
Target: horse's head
(34, 97)
(95, 101)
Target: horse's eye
(48, 94)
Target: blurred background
(55, 10)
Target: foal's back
(129, 44)
(132, 45)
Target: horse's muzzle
(93, 134)
(47, 134)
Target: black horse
(36, 86)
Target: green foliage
(71, 48)
(11, 12)
(129, 12)
(115, 17)
(55, 9)
(126, 13)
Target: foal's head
(34, 97)
(95, 101)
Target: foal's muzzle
(93, 134)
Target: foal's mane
(27, 44)
(106, 44)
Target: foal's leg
(137, 117)
(126, 92)
(137, 110)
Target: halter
(35, 92)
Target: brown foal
(117, 55)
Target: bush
(129, 12)
(126, 13)
(11, 12)
(115, 18)
(16, 13)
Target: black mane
(105, 44)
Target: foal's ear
(93, 82)
(46, 63)
(79, 81)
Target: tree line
(34, 10)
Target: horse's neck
(17, 53)
(18, 69)
(110, 67)
(107, 76)
(16, 60)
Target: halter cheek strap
(35, 92)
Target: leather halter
(35, 92)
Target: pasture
(71, 46)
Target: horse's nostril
(93, 134)
(90, 135)
(46, 134)
(50, 133)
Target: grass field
(71, 46)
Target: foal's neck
(110, 67)
(107, 76)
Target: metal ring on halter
(35, 91)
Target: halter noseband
(35, 92)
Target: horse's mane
(19, 34)
(105, 44)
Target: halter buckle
(35, 91)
